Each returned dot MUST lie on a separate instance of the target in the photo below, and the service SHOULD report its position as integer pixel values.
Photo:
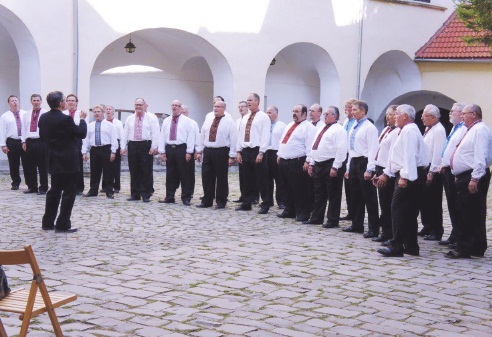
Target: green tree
(477, 16)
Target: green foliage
(477, 16)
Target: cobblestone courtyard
(150, 269)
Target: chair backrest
(26, 256)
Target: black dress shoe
(133, 199)
(110, 196)
(89, 194)
(186, 202)
(68, 230)
(330, 225)
(454, 254)
(116, 191)
(301, 218)
(351, 229)
(263, 210)
(286, 216)
(453, 245)
(348, 217)
(30, 190)
(239, 200)
(79, 193)
(48, 228)
(167, 201)
(379, 239)
(146, 199)
(386, 243)
(40, 192)
(202, 205)
(243, 208)
(102, 191)
(390, 252)
(432, 237)
(312, 222)
(219, 206)
(446, 242)
(281, 206)
(14, 187)
(255, 201)
(369, 235)
(423, 232)
(412, 251)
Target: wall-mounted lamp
(273, 62)
(130, 47)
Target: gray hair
(459, 106)
(407, 110)
(433, 110)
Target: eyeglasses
(175, 104)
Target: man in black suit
(61, 136)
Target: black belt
(257, 148)
(359, 158)
(100, 146)
(298, 158)
(464, 174)
(33, 139)
(140, 141)
(13, 139)
(217, 148)
(174, 146)
(324, 162)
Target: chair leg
(3, 333)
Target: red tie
(318, 140)
(72, 113)
(174, 128)
(18, 122)
(213, 129)
(34, 120)
(291, 130)
(247, 132)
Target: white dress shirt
(26, 125)
(474, 152)
(109, 136)
(434, 141)
(76, 116)
(185, 134)
(453, 141)
(319, 125)
(388, 139)
(150, 130)
(277, 129)
(366, 144)
(300, 141)
(226, 135)
(259, 133)
(407, 153)
(8, 127)
(333, 145)
(119, 127)
(198, 138)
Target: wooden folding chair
(28, 303)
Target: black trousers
(177, 172)
(327, 190)
(274, 179)
(404, 212)
(346, 184)
(141, 166)
(364, 195)
(35, 162)
(100, 165)
(449, 184)
(472, 237)
(296, 201)
(60, 183)
(385, 194)
(215, 169)
(115, 167)
(80, 185)
(191, 172)
(431, 207)
(255, 177)
(15, 154)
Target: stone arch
(19, 59)
(391, 75)
(303, 73)
(187, 67)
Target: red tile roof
(447, 43)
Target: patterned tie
(213, 129)
(289, 133)
(318, 140)
(34, 120)
(138, 128)
(354, 131)
(247, 132)
(72, 113)
(174, 128)
(98, 133)
(18, 121)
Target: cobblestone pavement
(149, 269)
